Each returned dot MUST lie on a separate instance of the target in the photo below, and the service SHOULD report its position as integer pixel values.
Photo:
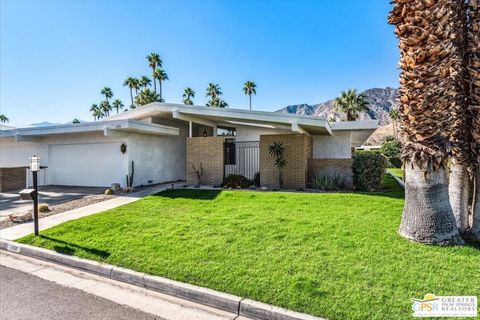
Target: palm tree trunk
(458, 191)
(250, 102)
(160, 89)
(475, 229)
(131, 95)
(427, 215)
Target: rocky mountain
(381, 101)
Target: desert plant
(43, 207)
(199, 173)
(277, 151)
(108, 191)
(236, 180)
(256, 179)
(130, 177)
(327, 182)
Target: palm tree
(131, 83)
(107, 92)
(146, 96)
(250, 88)
(94, 108)
(154, 61)
(427, 90)
(136, 85)
(351, 103)
(188, 94)
(394, 116)
(76, 121)
(144, 81)
(105, 107)
(4, 119)
(160, 75)
(214, 92)
(473, 36)
(117, 104)
(277, 151)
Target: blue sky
(56, 56)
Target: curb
(212, 298)
(400, 181)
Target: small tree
(392, 151)
(199, 173)
(277, 151)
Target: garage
(87, 164)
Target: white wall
(336, 146)
(249, 133)
(157, 158)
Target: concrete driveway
(10, 202)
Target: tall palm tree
(4, 119)
(75, 121)
(188, 94)
(117, 104)
(105, 107)
(136, 85)
(250, 88)
(213, 92)
(154, 61)
(473, 36)
(394, 116)
(131, 83)
(107, 92)
(351, 103)
(427, 90)
(146, 96)
(160, 75)
(145, 82)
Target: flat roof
(309, 124)
(127, 125)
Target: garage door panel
(95, 164)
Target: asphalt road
(23, 296)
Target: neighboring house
(164, 140)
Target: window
(226, 131)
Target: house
(162, 142)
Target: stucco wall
(249, 133)
(336, 146)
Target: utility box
(27, 194)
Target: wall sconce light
(123, 148)
(204, 133)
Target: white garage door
(92, 164)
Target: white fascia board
(127, 125)
(176, 114)
(355, 125)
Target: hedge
(368, 171)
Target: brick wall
(209, 152)
(298, 149)
(331, 167)
(12, 178)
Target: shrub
(43, 207)
(327, 183)
(392, 150)
(109, 192)
(368, 171)
(235, 181)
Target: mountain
(43, 124)
(381, 101)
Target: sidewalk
(24, 229)
(148, 301)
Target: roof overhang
(107, 127)
(216, 116)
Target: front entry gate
(241, 157)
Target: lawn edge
(399, 181)
(212, 298)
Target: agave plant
(277, 151)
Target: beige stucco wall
(207, 151)
(298, 149)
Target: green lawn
(396, 171)
(335, 255)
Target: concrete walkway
(21, 230)
(148, 301)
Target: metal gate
(241, 157)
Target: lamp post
(34, 167)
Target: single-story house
(162, 142)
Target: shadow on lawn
(71, 248)
(194, 194)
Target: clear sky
(56, 56)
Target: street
(24, 296)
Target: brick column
(209, 152)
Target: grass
(396, 171)
(334, 255)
